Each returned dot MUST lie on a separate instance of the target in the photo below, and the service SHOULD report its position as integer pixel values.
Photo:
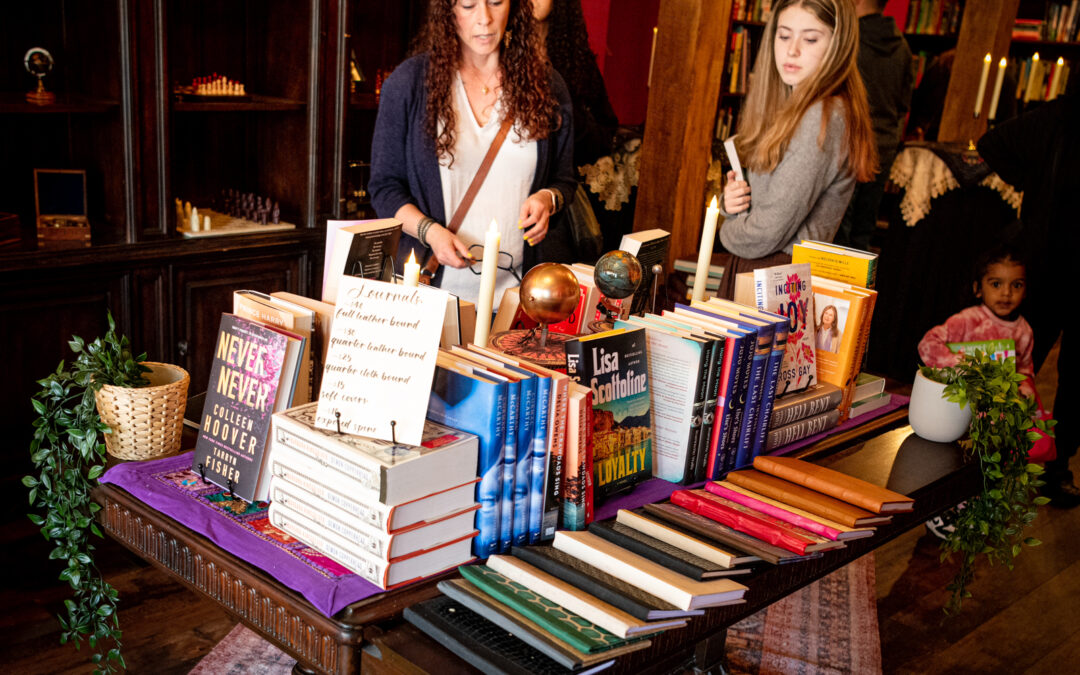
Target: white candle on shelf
(411, 276)
(997, 88)
(708, 238)
(652, 57)
(486, 299)
(982, 84)
(1055, 81)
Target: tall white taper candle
(486, 299)
(1055, 81)
(411, 276)
(708, 238)
(982, 85)
(997, 88)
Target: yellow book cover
(839, 318)
(837, 262)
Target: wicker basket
(146, 422)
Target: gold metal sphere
(549, 293)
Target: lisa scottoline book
(615, 366)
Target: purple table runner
(242, 529)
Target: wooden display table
(886, 454)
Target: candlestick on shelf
(708, 238)
(982, 84)
(486, 300)
(997, 88)
(1034, 78)
(1055, 81)
(411, 276)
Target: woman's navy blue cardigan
(405, 169)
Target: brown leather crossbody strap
(432, 264)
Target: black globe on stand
(618, 275)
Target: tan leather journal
(835, 484)
(805, 498)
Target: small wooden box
(60, 207)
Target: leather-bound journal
(481, 643)
(662, 553)
(609, 588)
(873, 498)
(804, 498)
(759, 525)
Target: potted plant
(69, 455)
(1000, 435)
(931, 415)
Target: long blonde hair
(773, 110)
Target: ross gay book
(614, 365)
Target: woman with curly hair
(479, 62)
(804, 134)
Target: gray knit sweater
(804, 197)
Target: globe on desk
(618, 275)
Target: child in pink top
(1000, 283)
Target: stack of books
(869, 394)
(803, 414)
(520, 413)
(391, 513)
(689, 268)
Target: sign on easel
(379, 367)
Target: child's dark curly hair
(1009, 248)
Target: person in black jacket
(885, 65)
(1039, 153)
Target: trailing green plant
(69, 455)
(1001, 434)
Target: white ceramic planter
(932, 416)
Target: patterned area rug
(829, 627)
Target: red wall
(620, 33)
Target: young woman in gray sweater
(804, 136)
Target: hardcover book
(274, 311)
(615, 366)
(805, 498)
(246, 375)
(324, 323)
(484, 644)
(575, 630)
(718, 532)
(650, 247)
(476, 404)
(671, 586)
(528, 631)
(800, 429)
(396, 472)
(816, 399)
(804, 519)
(870, 404)
(577, 483)
(574, 600)
(745, 519)
(363, 504)
(662, 553)
(725, 557)
(365, 248)
(785, 290)
(595, 581)
(840, 317)
(840, 263)
(382, 573)
(873, 498)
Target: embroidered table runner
(244, 530)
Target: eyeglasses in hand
(505, 262)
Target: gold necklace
(484, 88)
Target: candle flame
(1002, 63)
(494, 227)
(987, 58)
(1035, 57)
(1061, 61)
(412, 258)
(712, 202)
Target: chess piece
(275, 215)
(187, 211)
(206, 223)
(179, 212)
(194, 222)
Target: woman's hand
(448, 249)
(736, 195)
(534, 215)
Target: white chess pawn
(206, 223)
(194, 219)
(242, 89)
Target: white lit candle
(997, 88)
(1034, 76)
(708, 237)
(1055, 81)
(982, 85)
(411, 276)
(486, 300)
